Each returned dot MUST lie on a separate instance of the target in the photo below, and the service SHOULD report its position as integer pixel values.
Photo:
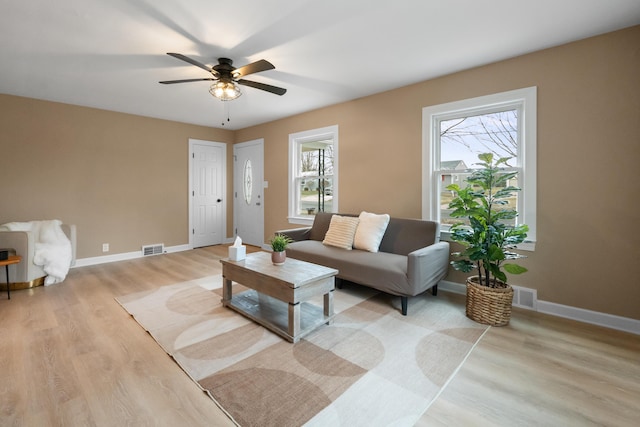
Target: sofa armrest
(24, 244)
(296, 234)
(427, 266)
(21, 241)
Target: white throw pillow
(370, 231)
(341, 231)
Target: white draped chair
(26, 274)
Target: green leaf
(513, 255)
(499, 274)
(505, 192)
(503, 160)
(486, 157)
(489, 235)
(505, 214)
(496, 253)
(463, 265)
(514, 268)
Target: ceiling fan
(227, 77)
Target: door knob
(258, 204)
(219, 200)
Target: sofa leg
(404, 301)
(434, 290)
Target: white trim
(300, 221)
(329, 132)
(580, 314)
(85, 262)
(223, 226)
(445, 236)
(588, 316)
(527, 99)
(453, 287)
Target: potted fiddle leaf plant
(488, 236)
(278, 244)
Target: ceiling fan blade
(192, 62)
(169, 82)
(254, 67)
(273, 89)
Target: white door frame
(223, 226)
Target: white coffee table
(278, 298)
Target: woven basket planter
(489, 306)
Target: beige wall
(122, 179)
(99, 169)
(588, 162)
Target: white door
(207, 192)
(248, 184)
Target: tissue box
(237, 253)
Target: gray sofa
(410, 259)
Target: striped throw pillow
(341, 231)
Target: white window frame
(295, 142)
(525, 100)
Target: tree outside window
(313, 173)
(315, 178)
(463, 138)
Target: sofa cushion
(404, 235)
(341, 231)
(383, 271)
(371, 228)
(320, 226)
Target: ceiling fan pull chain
(227, 107)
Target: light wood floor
(71, 356)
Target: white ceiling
(110, 54)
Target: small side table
(14, 259)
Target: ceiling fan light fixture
(225, 90)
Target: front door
(248, 179)
(207, 192)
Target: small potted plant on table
(279, 243)
(488, 239)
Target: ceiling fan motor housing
(225, 69)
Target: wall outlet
(105, 247)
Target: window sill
(300, 220)
(529, 246)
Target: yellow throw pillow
(370, 231)
(341, 231)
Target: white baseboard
(453, 287)
(580, 314)
(589, 316)
(84, 262)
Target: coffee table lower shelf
(274, 314)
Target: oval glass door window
(248, 181)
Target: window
(313, 173)
(455, 133)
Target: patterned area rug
(371, 366)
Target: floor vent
(153, 249)
(525, 297)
